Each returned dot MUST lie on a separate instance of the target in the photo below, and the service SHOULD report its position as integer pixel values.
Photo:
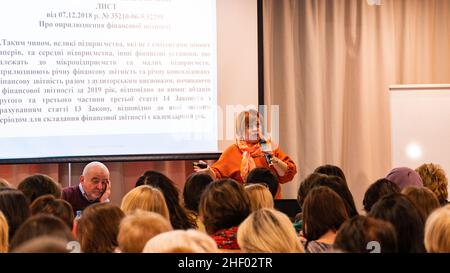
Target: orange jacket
(228, 165)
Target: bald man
(94, 187)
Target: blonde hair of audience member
(139, 227)
(268, 230)
(4, 229)
(146, 198)
(433, 177)
(44, 244)
(98, 228)
(260, 197)
(437, 231)
(181, 241)
(424, 200)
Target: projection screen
(83, 78)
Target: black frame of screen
(159, 157)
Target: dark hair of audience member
(14, 206)
(405, 217)
(331, 170)
(98, 228)
(195, 184)
(224, 204)
(355, 235)
(337, 185)
(378, 189)
(37, 185)
(39, 225)
(306, 185)
(323, 211)
(263, 176)
(60, 208)
(44, 244)
(423, 198)
(178, 215)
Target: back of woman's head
(139, 227)
(357, 233)
(263, 176)
(323, 211)
(437, 231)
(195, 184)
(4, 183)
(146, 198)
(14, 206)
(98, 227)
(434, 178)
(424, 200)
(178, 215)
(40, 225)
(337, 185)
(268, 230)
(181, 241)
(37, 185)
(48, 204)
(405, 177)
(378, 189)
(260, 197)
(4, 237)
(404, 216)
(46, 244)
(307, 184)
(331, 170)
(224, 204)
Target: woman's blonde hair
(260, 197)
(146, 198)
(244, 120)
(181, 241)
(437, 231)
(4, 229)
(433, 177)
(268, 230)
(139, 227)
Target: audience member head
(437, 231)
(355, 235)
(40, 225)
(404, 216)
(181, 241)
(44, 244)
(323, 211)
(139, 227)
(405, 177)
(224, 204)
(337, 185)
(178, 215)
(331, 170)
(268, 230)
(260, 197)
(380, 188)
(14, 206)
(98, 228)
(4, 240)
(37, 185)
(306, 185)
(94, 180)
(263, 176)
(434, 178)
(193, 188)
(146, 198)
(48, 204)
(424, 200)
